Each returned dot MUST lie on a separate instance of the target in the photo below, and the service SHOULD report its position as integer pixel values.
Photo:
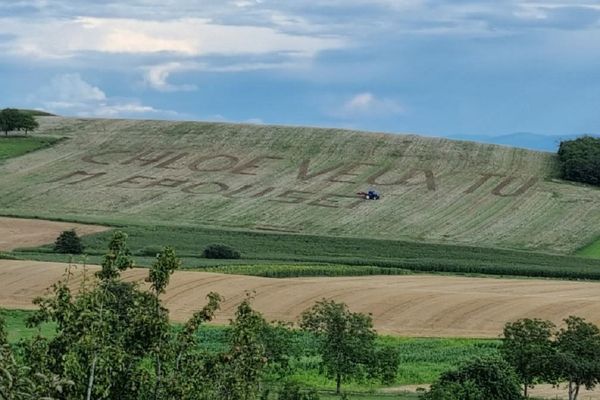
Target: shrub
(481, 378)
(221, 251)
(68, 242)
(580, 160)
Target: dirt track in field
(18, 232)
(418, 305)
(540, 391)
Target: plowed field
(418, 305)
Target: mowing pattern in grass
(301, 180)
(283, 250)
(14, 146)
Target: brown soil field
(413, 305)
(18, 232)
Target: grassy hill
(300, 180)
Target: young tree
(160, 273)
(346, 339)
(578, 358)
(243, 364)
(481, 378)
(528, 348)
(117, 259)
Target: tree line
(114, 340)
(12, 119)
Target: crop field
(410, 305)
(300, 180)
(285, 255)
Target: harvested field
(300, 180)
(413, 305)
(17, 232)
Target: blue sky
(437, 67)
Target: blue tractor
(370, 195)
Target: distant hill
(300, 180)
(36, 113)
(523, 140)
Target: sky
(435, 67)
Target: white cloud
(366, 104)
(70, 94)
(186, 37)
(157, 75)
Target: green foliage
(346, 340)
(578, 358)
(221, 251)
(300, 270)
(528, 348)
(118, 257)
(280, 251)
(293, 391)
(480, 378)
(580, 159)
(161, 271)
(69, 243)
(15, 120)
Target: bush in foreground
(221, 251)
(68, 242)
(481, 378)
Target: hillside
(300, 180)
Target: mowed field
(17, 232)
(412, 305)
(300, 180)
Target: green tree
(27, 123)
(68, 242)
(244, 363)
(580, 159)
(578, 358)
(346, 339)
(481, 378)
(9, 120)
(160, 273)
(117, 259)
(221, 251)
(528, 348)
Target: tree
(346, 339)
(580, 159)
(10, 119)
(528, 348)
(117, 259)
(27, 122)
(244, 363)
(481, 378)
(578, 358)
(160, 273)
(68, 242)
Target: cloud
(156, 76)
(366, 104)
(70, 94)
(188, 37)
